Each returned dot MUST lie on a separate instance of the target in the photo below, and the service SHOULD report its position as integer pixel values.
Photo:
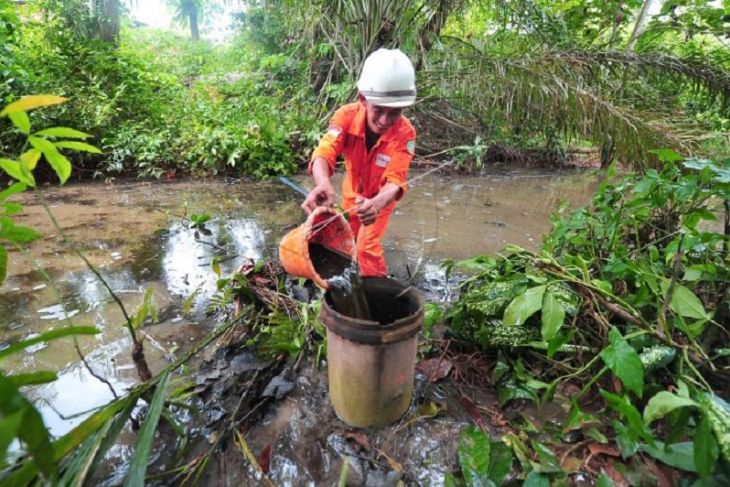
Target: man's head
(387, 84)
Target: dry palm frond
(587, 95)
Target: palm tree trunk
(640, 26)
(194, 34)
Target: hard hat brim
(391, 101)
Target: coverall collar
(359, 122)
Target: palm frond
(586, 95)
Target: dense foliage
(629, 298)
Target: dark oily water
(343, 277)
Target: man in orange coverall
(378, 144)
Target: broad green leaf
(15, 233)
(30, 158)
(500, 461)
(58, 162)
(474, 455)
(80, 146)
(3, 264)
(718, 414)
(9, 426)
(663, 403)
(48, 336)
(685, 303)
(705, 448)
(20, 120)
(535, 479)
(604, 481)
(666, 155)
(30, 102)
(18, 171)
(62, 132)
(635, 426)
(32, 431)
(678, 455)
(524, 306)
(548, 462)
(143, 446)
(11, 190)
(553, 315)
(624, 362)
(33, 378)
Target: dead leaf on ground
(264, 459)
(473, 412)
(662, 479)
(435, 369)
(358, 437)
(618, 479)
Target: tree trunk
(109, 20)
(194, 34)
(640, 26)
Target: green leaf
(663, 403)
(216, 266)
(33, 378)
(32, 432)
(30, 102)
(143, 447)
(20, 120)
(146, 309)
(3, 264)
(666, 155)
(705, 448)
(474, 455)
(535, 479)
(678, 455)
(30, 158)
(74, 145)
(9, 426)
(604, 481)
(500, 461)
(17, 170)
(58, 162)
(48, 336)
(624, 362)
(11, 190)
(17, 234)
(524, 306)
(553, 315)
(62, 132)
(685, 303)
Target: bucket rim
(372, 332)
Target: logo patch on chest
(381, 160)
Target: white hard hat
(388, 79)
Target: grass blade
(138, 465)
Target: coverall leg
(370, 256)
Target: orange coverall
(366, 172)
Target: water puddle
(136, 236)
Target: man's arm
(323, 193)
(368, 208)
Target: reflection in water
(440, 217)
(186, 264)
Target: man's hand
(322, 195)
(367, 210)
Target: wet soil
(138, 237)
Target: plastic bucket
(323, 226)
(371, 363)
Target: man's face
(381, 118)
